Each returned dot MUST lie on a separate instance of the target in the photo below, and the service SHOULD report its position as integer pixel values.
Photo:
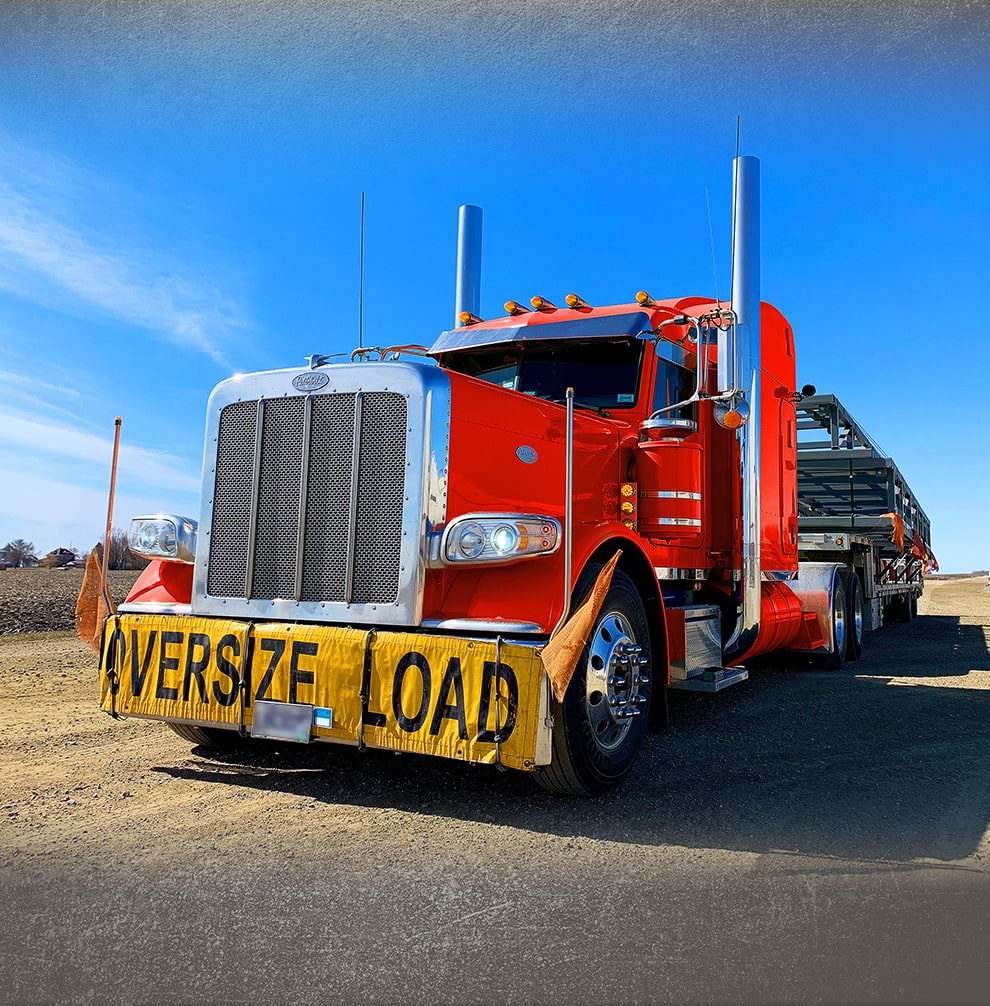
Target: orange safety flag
(91, 610)
(918, 549)
(562, 652)
(897, 535)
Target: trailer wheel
(207, 736)
(899, 610)
(837, 608)
(854, 614)
(599, 727)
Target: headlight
(478, 538)
(163, 536)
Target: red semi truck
(393, 553)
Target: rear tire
(207, 736)
(599, 727)
(899, 610)
(832, 661)
(854, 614)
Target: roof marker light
(514, 307)
(542, 304)
(578, 303)
(644, 299)
(467, 318)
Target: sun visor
(632, 325)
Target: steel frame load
(846, 485)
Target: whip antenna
(735, 199)
(361, 279)
(711, 238)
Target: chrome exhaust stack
(739, 371)
(467, 296)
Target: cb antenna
(711, 238)
(361, 279)
(735, 199)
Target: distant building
(58, 558)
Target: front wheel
(209, 737)
(599, 727)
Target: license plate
(282, 721)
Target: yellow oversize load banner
(427, 694)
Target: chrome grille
(293, 515)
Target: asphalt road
(807, 836)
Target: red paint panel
(163, 582)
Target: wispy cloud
(34, 508)
(49, 252)
(28, 437)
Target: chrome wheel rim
(613, 680)
(839, 624)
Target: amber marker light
(732, 420)
(514, 307)
(577, 303)
(644, 299)
(467, 318)
(542, 304)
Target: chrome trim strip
(259, 422)
(483, 625)
(665, 494)
(303, 493)
(352, 516)
(154, 608)
(673, 573)
(677, 521)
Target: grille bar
(259, 427)
(303, 491)
(355, 486)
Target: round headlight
(504, 539)
(471, 541)
(148, 536)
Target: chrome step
(712, 680)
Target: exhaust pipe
(744, 380)
(467, 296)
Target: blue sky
(180, 198)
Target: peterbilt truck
(506, 546)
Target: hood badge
(527, 455)
(310, 382)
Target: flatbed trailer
(857, 509)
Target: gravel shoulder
(807, 835)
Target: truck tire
(898, 610)
(854, 614)
(207, 736)
(837, 607)
(599, 727)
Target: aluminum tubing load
(820, 589)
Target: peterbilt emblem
(527, 455)
(310, 382)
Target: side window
(674, 384)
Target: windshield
(604, 373)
